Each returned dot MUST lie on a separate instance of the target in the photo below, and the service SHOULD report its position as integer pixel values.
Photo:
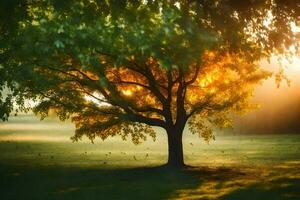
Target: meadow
(39, 161)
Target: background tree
(121, 67)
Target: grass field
(39, 161)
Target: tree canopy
(121, 67)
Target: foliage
(120, 67)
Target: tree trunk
(175, 158)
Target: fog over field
(233, 166)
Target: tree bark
(175, 148)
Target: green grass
(39, 161)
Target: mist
(279, 107)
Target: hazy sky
(279, 107)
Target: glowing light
(212, 90)
(95, 98)
(295, 28)
(127, 92)
(268, 20)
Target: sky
(279, 110)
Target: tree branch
(194, 78)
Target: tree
(122, 67)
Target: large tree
(122, 67)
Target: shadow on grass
(70, 183)
(142, 183)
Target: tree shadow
(69, 183)
(145, 183)
(135, 183)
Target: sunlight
(127, 92)
(293, 65)
(295, 28)
(96, 98)
(150, 99)
(268, 20)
